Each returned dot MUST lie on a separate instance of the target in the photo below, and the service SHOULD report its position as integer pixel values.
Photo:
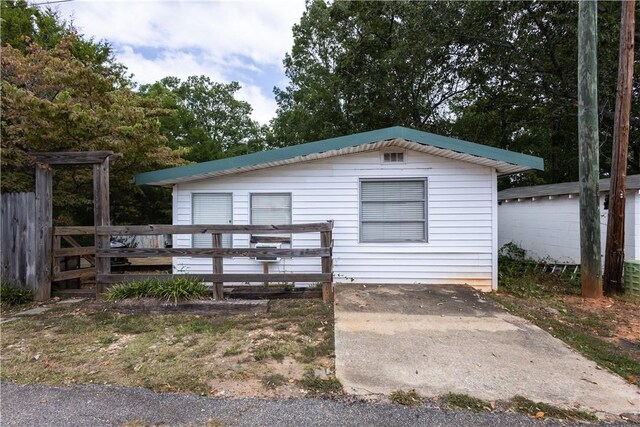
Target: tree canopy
(497, 73)
(53, 101)
(206, 122)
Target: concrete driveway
(452, 339)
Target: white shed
(408, 206)
(545, 219)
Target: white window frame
(226, 193)
(283, 193)
(393, 151)
(273, 193)
(424, 239)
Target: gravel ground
(91, 405)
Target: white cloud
(264, 106)
(225, 40)
(168, 63)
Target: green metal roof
(205, 169)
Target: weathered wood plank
(73, 231)
(77, 251)
(81, 273)
(71, 158)
(225, 277)
(90, 258)
(327, 265)
(270, 239)
(18, 239)
(44, 209)
(213, 252)
(272, 292)
(101, 217)
(218, 291)
(212, 228)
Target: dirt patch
(254, 354)
(623, 316)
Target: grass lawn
(268, 355)
(605, 330)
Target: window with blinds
(271, 208)
(211, 208)
(393, 210)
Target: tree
(497, 73)
(206, 122)
(357, 66)
(53, 101)
(23, 24)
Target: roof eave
(502, 168)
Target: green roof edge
(278, 154)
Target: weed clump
(273, 381)
(12, 294)
(531, 408)
(406, 398)
(176, 289)
(318, 387)
(464, 401)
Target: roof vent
(393, 157)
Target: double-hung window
(393, 210)
(271, 209)
(211, 208)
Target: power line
(50, 2)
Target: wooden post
(614, 254)
(218, 291)
(44, 209)
(327, 265)
(588, 150)
(265, 270)
(101, 217)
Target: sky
(243, 41)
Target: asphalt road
(89, 405)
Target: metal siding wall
(460, 219)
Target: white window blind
(211, 208)
(270, 209)
(393, 211)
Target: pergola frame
(44, 209)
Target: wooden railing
(217, 253)
(62, 236)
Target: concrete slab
(71, 301)
(33, 312)
(452, 339)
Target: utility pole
(614, 254)
(588, 167)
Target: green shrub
(176, 289)
(11, 294)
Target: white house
(408, 206)
(545, 219)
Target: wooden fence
(65, 245)
(104, 252)
(18, 239)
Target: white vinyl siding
(460, 219)
(393, 211)
(549, 228)
(211, 208)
